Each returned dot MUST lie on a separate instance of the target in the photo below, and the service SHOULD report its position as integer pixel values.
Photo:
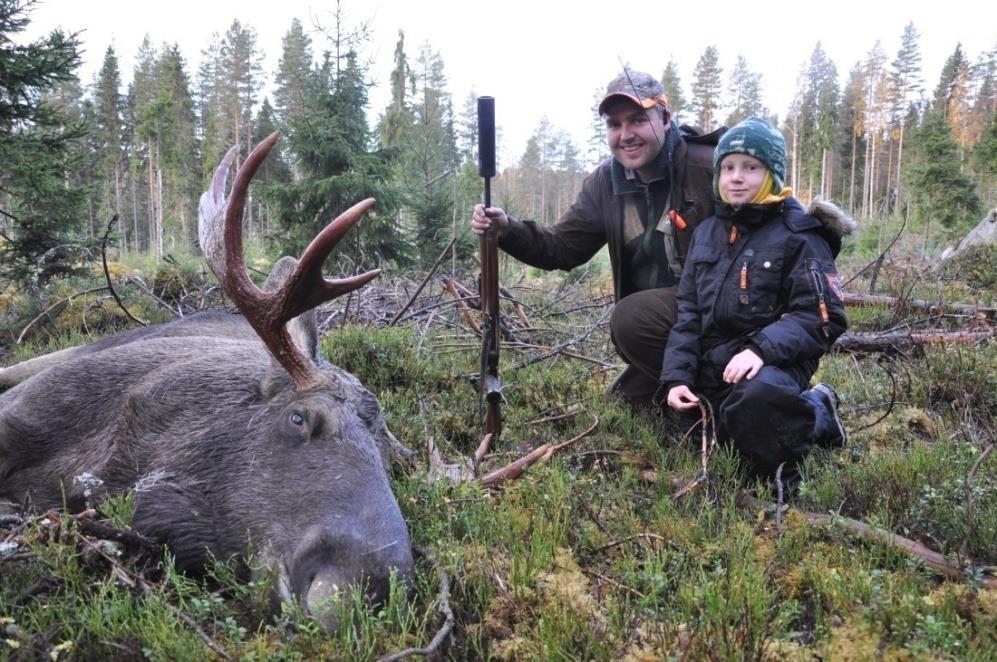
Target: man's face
(634, 135)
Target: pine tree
(41, 211)
(672, 85)
(905, 86)
(706, 86)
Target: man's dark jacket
(762, 291)
(596, 217)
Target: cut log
(929, 307)
(896, 341)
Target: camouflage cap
(640, 88)
(754, 137)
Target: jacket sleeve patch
(834, 282)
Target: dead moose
(228, 442)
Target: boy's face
(741, 178)
(634, 135)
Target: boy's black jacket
(763, 290)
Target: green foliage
(42, 233)
(942, 193)
(977, 267)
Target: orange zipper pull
(677, 220)
(744, 275)
(732, 239)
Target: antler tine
(307, 287)
(269, 312)
(235, 266)
(210, 232)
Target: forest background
(873, 135)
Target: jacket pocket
(759, 283)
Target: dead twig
(107, 274)
(636, 536)
(418, 290)
(557, 448)
(61, 302)
(709, 441)
(598, 576)
(465, 311)
(551, 419)
(443, 606)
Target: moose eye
(297, 419)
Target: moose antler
(306, 288)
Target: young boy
(759, 303)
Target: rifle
(489, 385)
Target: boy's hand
(681, 398)
(744, 365)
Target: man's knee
(642, 320)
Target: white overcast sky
(547, 58)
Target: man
(644, 203)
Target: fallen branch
(515, 469)
(930, 307)
(937, 561)
(443, 607)
(465, 311)
(900, 341)
(482, 450)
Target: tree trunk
(851, 181)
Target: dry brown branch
(557, 448)
(551, 419)
(599, 577)
(937, 561)
(900, 341)
(963, 551)
(515, 469)
(443, 598)
(930, 307)
(465, 311)
(482, 450)
(107, 273)
(418, 290)
(61, 302)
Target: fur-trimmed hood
(832, 216)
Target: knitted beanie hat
(754, 137)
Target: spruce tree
(41, 210)
(672, 85)
(942, 194)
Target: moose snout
(329, 568)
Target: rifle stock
(489, 385)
